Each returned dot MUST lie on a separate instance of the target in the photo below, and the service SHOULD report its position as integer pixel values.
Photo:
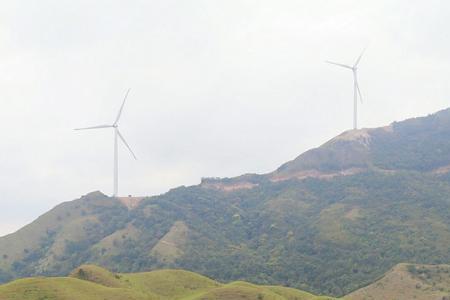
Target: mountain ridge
(346, 154)
(311, 224)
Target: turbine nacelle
(357, 90)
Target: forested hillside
(332, 220)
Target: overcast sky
(219, 88)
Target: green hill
(49, 244)
(90, 282)
(408, 281)
(331, 221)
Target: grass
(169, 284)
(169, 247)
(292, 294)
(65, 289)
(112, 244)
(90, 282)
(64, 221)
(408, 281)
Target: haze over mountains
(252, 89)
(330, 221)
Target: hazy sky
(219, 88)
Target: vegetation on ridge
(328, 235)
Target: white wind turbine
(117, 135)
(356, 90)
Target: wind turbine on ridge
(356, 89)
(117, 136)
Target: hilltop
(330, 221)
(90, 282)
(408, 281)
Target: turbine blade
(126, 144)
(338, 64)
(95, 127)
(359, 58)
(359, 91)
(121, 108)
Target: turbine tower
(356, 90)
(117, 136)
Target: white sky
(219, 88)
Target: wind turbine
(117, 136)
(356, 90)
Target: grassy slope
(43, 247)
(64, 221)
(15, 246)
(90, 282)
(168, 249)
(408, 281)
(64, 289)
(112, 244)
